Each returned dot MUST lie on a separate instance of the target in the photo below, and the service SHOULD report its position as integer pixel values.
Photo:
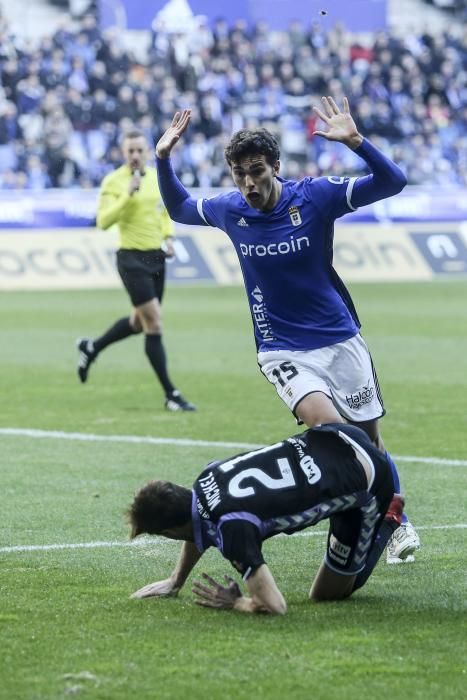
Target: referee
(130, 198)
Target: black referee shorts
(142, 273)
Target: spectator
(36, 171)
(30, 94)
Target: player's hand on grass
(341, 126)
(168, 140)
(158, 589)
(215, 595)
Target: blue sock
(397, 483)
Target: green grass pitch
(67, 626)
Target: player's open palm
(215, 595)
(340, 125)
(158, 589)
(168, 140)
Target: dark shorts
(142, 273)
(352, 532)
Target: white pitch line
(431, 460)
(139, 439)
(185, 442)
(162, 541)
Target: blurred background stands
(69, 88)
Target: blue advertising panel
(77, 208)
(358, 15)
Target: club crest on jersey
(295, 216)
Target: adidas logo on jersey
(242, 222)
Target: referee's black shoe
(176, 402)
(87, 355)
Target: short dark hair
(133, 133)
(247, 142)
(158, 506)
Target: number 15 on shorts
(284, 373)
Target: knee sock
(156, 356)
(394, 472)
(385, 531)
(397, 483)
(121, 329)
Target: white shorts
(343, 371)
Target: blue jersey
(297, 300)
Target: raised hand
(215, 595)
(158, 589)
(168, 140)
(341, 126)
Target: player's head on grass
(253, 156)
(161, 508)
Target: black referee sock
(384, 533)
(156, 356)
(120, 330)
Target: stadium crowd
(66, 99)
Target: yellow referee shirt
(142, 219)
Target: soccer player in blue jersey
(305, 324)
(330, 472)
